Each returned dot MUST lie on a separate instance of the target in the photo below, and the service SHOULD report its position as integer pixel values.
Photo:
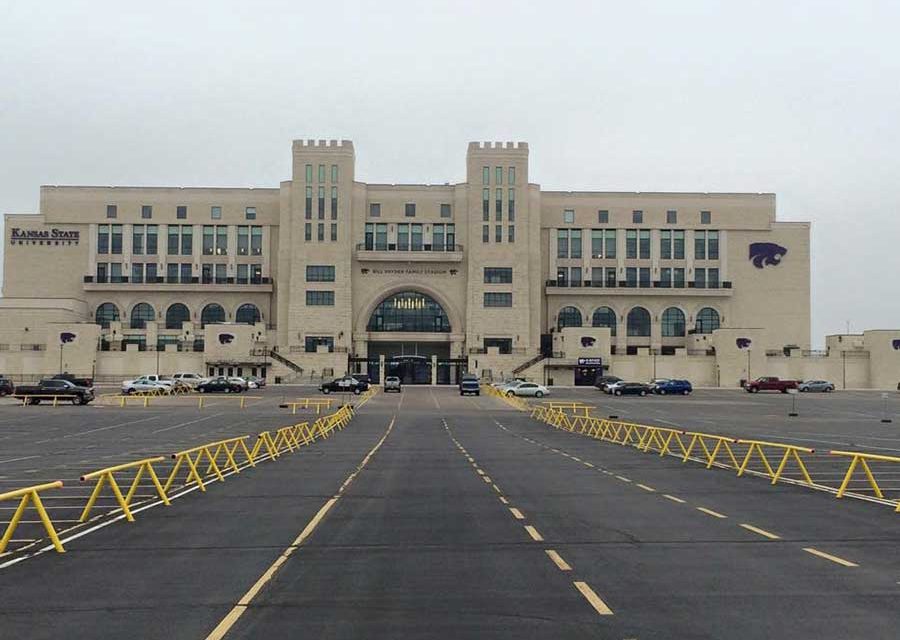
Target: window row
(180, 241)
(409, 210)
(176, 314)
(320, 232)
(177, 273)
(637, 216)
(637, 322)
(498, 205)
(498, 175)
(322, 173)
(320, 203)
(637, 244)
(409, 237)
(181, 212)
(498, 233)
(637, 277)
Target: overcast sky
(800, 98)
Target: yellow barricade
(790, 451)
(858, 458)
(211, 451)
(107, 476)
(305, 403)
(38, 396)
(264, 439)
(286, 438)
(30, 495)
(722, 443)
(242, 399)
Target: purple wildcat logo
(65, 337)
(766, 253)
(226, 338)
(587, 341)
(743, 343)
(896, 344)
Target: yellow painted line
(497, 489)
(534, 533)
(555, 450)
(762, 532)
(238, 610)
(673, 498)
(645, 487)
(516, 513)
(487, 479)
(623, 479)
(588, 464)
(504, 500)
(480, 472)
(576, 459)
(710, 512)
(593, 598)
(558, 561)
(828, 556)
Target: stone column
(380, 370)
(433, 369)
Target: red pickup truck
(768, 383)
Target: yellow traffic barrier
(264, 439)
(859, 458)
(790, 451)
(31, 495)
(194, 456)
(106, 476)
(286, 438)
(242, 399)
(229, 449)
(723, 443)
(39, 396)
(305, 403)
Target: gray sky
(799, 98)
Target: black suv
(6, 386)
(219, 385)
(346, 384)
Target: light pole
(61, 345)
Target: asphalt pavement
(436, 516)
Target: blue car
(665, 387)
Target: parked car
(604, 381)
(529, 389)
(153, 377)
(239, 380)
(255, 382)
(770, 383)
(362, 377)
(655, 382)
(667, 387)
(221, 384)
(469, 384)
(6, 386)
(144, 385)
(345, 384)
(631, 389)
(816, 385)
(59, 388)
(192, 379)
(78, 382)
(392, 383)
(612, 386)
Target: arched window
(176, 314)
(409, 311)
(673, 323)
(212, 313)
(141, 314)
(569, 317)
(247, 314)
(605, 317)
(639, 322)
(106, 313)
(707, 320)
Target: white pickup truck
(150, 382)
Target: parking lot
(436, 516)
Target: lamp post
(61, 345)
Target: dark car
(603, 381)
(469, 384)
(631, 389)
(6, 386)
(346, 384)
(220, 385)
(362, 377)
(51, 390)
(665, 387)
(78, 382)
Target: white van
(192, 379)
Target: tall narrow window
(322, 202)
(485, 175)
(320, 232)
(187, 240)
(115, 238)
(498, 233)
(699, 278)
(712, 246)
(137, 239)
(416, 237)
(309, 173)
(209, 239)
(699, 245)
(631, 243)
(485, 233)
(402, 237)
(498, 175)
(151, 246)
(575, 245)
(498, 204)
(381, 234)
(485, 204)
(172, 241)
(596, 243)
(512, 175)
(334, 173)
(644, 244)
(256, 240)
(437, 237)
(334, 203)
(103, 238)
(609, 238)
(321, 173)
(678, 241)
(307, 232)
(562, 243)
(511, 235)
(243, 240)
(308, 202)
(334, 232)
(665, 244)
(511, 214)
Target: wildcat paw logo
(763, 254)
(226, 338)
(587, 341)
(743, 343)
(65, 337)
(896, 345)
